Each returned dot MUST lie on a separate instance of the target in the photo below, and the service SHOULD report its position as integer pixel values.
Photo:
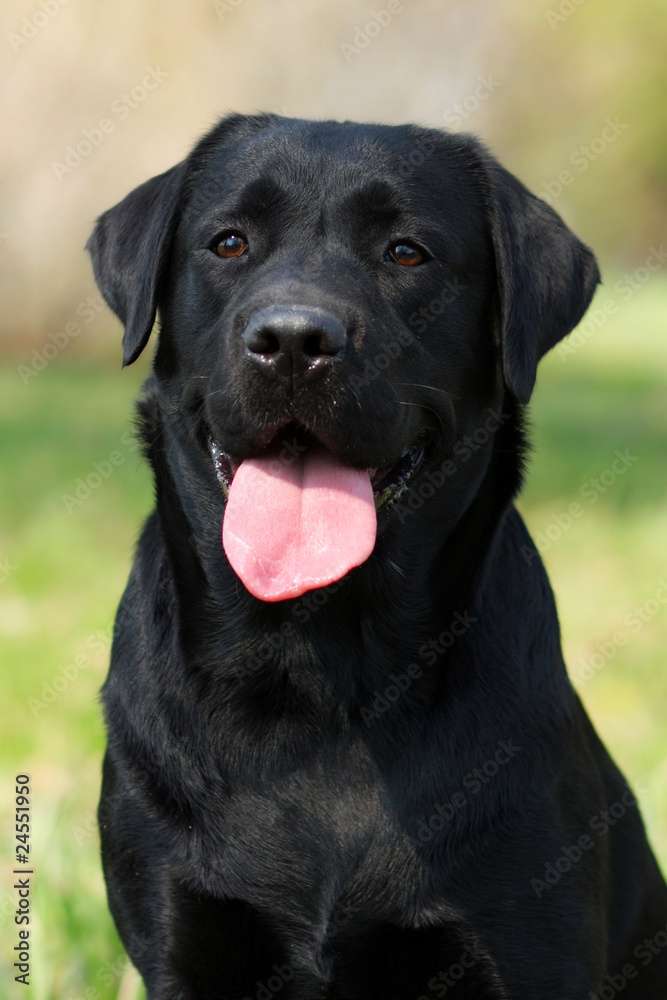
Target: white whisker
(432, 388)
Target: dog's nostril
(317, 344)
(263, 342)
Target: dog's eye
(406, 254)
(231, 245)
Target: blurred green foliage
(597, 61)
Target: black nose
(294, 340)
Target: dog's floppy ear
(546, 276)
(129, 248)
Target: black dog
(345, 760)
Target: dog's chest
(317, 849)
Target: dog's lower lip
(387, 481)
(224, 465)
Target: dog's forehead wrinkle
(302, 157)
(314, 156)
(261, 196)
(374, 203)
(344, 218)
(303, 186)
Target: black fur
(385, 788)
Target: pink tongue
(292, 526)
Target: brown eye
(407, 254)
(231, 245)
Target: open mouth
(297, 517)
(388, 482)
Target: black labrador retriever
(345, 760)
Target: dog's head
(339, 304)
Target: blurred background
(98, 96)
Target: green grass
(57, 605)
(70, 567)
(611, 395)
